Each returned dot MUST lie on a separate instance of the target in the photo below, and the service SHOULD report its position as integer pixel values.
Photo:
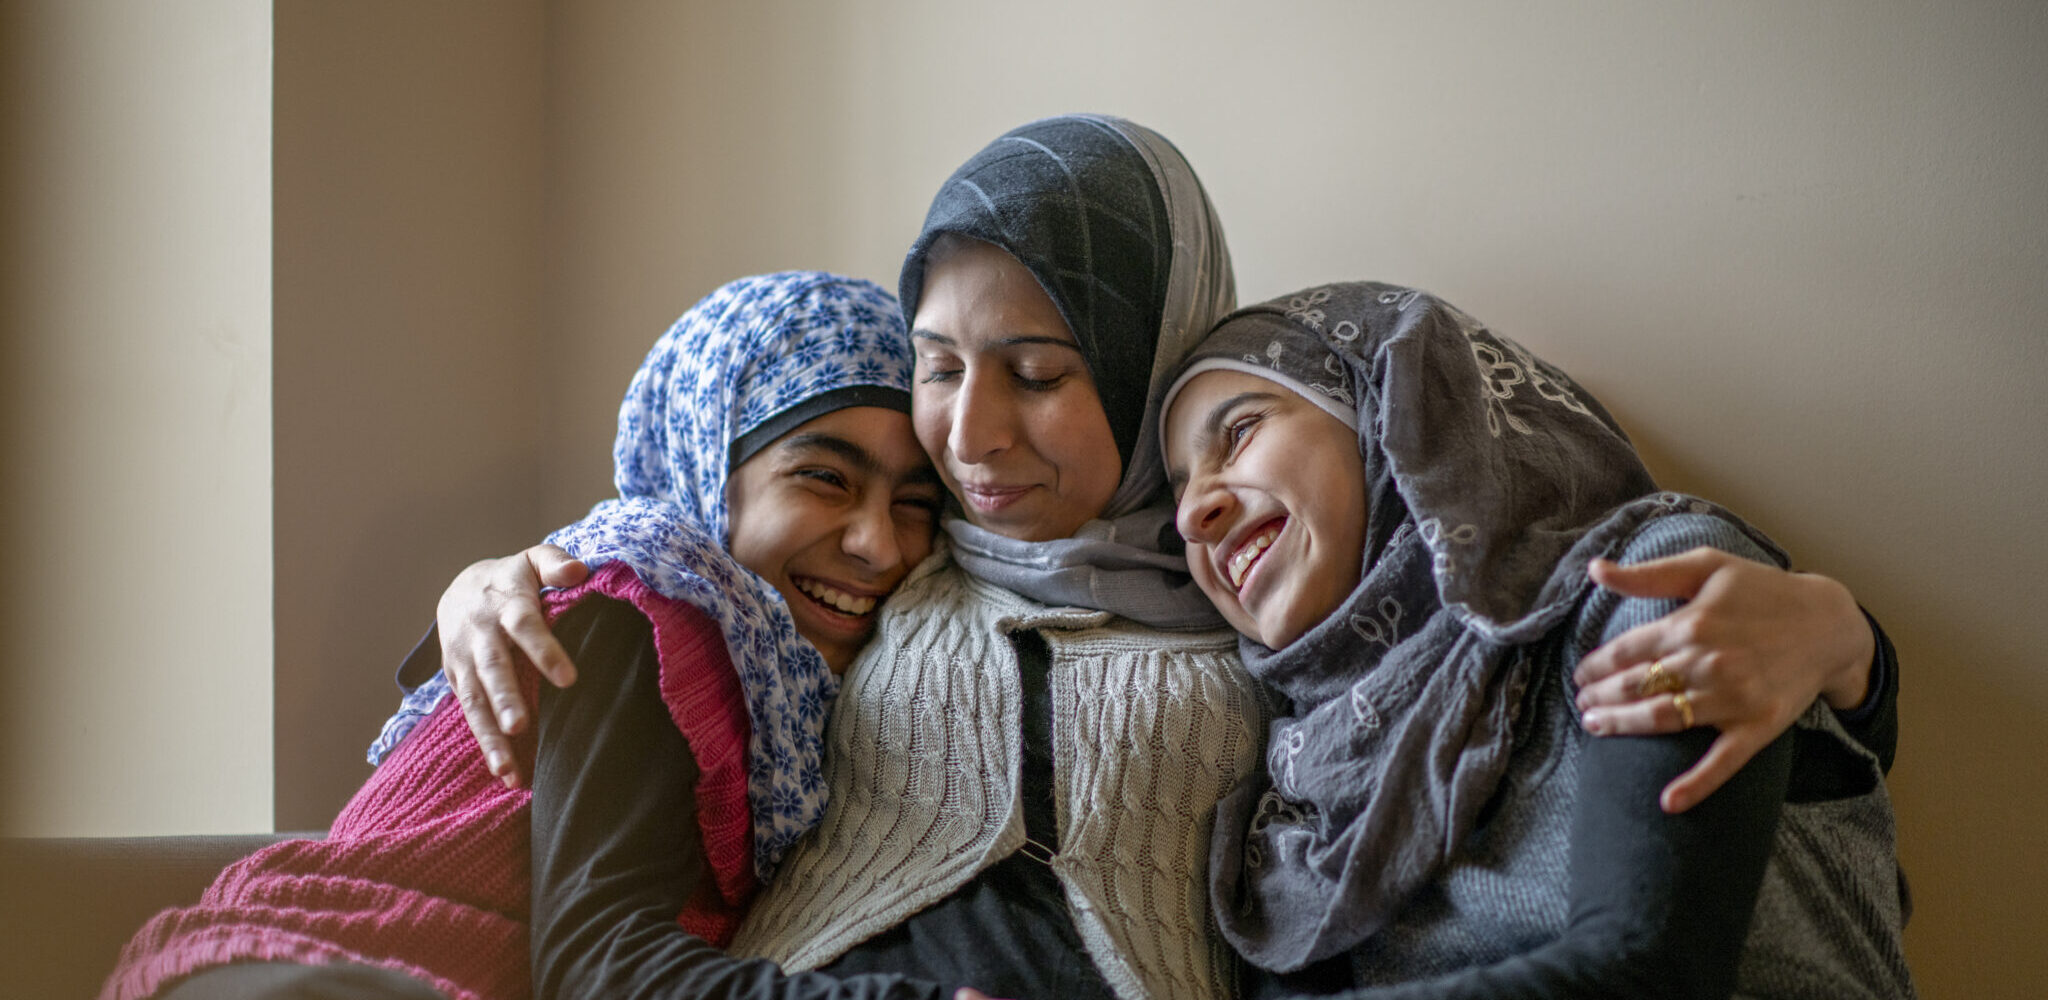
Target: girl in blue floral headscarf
(771, 493)
(753, 360)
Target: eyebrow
(922, 334)
(1211, 428)
(860, 458)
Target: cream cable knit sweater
(1150, 728)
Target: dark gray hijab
(1114, 225)
(1491, 480)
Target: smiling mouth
(989, 499)
(1248, 554)
(834, 600)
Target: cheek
(766, 533)
(1072, 429)
(1205, 578)
(751, 547)
(931, 421)
(1218, 593)
(915, 543)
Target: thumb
(556, 568)
(1679, 576)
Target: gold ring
(1683, 703)
(1660, 680)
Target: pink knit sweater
(426, 870)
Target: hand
(491, 623)
(1754, 645)
(970, 993)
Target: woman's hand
(1752, 647)
(491, 621)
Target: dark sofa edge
(72, 902)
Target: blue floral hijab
(741, 368)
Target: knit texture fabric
(426, 870)
(1150, 729)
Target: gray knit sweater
(1150, 728)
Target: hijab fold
(1116, 228)
(1491, 480)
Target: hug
(1037, 641)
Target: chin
(1282, 629)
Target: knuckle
(1710, 670)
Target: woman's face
(1271, 499)
(1003, 400)
(833, 514)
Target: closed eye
(829, 477)
(927, 505)
(1029, 384)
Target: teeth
(837, 598)
(1241, 563)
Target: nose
(983, 419)
(1205, 512)
(870, 536)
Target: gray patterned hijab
(1112, 222)
(1491, 480)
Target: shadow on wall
(1963, 786)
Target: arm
(1660, 903)
(1754, 646)
(616, 848)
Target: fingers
(523, 621)
(497, 750)
(554, 567)
(1627, 685)
(491, 624)
(1638, 646)
(1730, 751)
(1647, 716)
(497, 671)
(1679, 576)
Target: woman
(1395, 507)
(771, 491)
(1061, 274)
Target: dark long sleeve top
(1657, 905)
(617, 850)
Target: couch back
(67, 905)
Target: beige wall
(1799, 249)
(134, 373)
(410, 307)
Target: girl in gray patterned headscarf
(1396, 507)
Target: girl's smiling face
(1270, 494)
(833, 515)
(1003, 399)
